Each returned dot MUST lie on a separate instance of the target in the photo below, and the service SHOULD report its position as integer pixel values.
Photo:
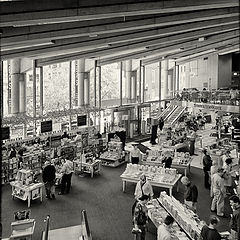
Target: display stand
(157, 214)
(90, 167)
(157, 176)
(114, 157)
(180, 160)
(24, 189)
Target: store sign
(76, 83)
(9, 87)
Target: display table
(175, 164)
(90, 167)
(177, 146)
(27, 192)
(157, 214)
(157, 176)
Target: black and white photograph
(120, 119)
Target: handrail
(179, 114)
(171, 112)
(47, 223)
(86, 230)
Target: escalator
(172, 118)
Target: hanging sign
(9, 87)
(76, 83)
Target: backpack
(141, 217)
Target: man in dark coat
(48, 177)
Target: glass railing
(226, 97)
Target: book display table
(157, 214)
(114, 157)
(157, 176)
(180, 160)
(87, 167)
(27, 192)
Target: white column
(128, 79)
(81, 70)
(165, 78)
(15, 75)
(22, 93)
(170, 84)
(134, 86)
(86, 89)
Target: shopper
(161, 123)
(192, 140)
(213, 170)
(12, 153)
(164, 230)
(135, 154)
(207, 163)
(143, 187)
(67, 170)
(140, 217)
(210, 232)
(227, 166)
(191, 193)
(235, 218)
(48, 177)
(218, 192)
(167, 160)
(154, 134)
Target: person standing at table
(161, 123)
(140, 217)
(235, 218)
(164, 230)
(67, 170)
(135, 154)
(218, 193)
(48, 177)
(207, 163)
(190, 194)
(227, 166)
(192, 140)
(210, 232)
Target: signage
(9, 86)
(5, 133)
(76, 83)
(46, 126)
(82, 120)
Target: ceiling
(116, 30)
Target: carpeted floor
(108, 208)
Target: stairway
(164, 113)
(174, 116)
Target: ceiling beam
(208, 40)
(167, 50)
(115, 25)
(197, 49)
(74, 12)
(173, 30)
(35, 52)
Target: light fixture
(201, 39)
(93, 35)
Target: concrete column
(86, 89)
(15, 75)
(1, 87)
(70, 93)
(177, 78)
(165, 78)
(22, 93)
(81, 70)
(128, 79)
(160, 84)
(170, 83)
(41, 90)
(134, 86)
(140, 82)
(34, 95)
(120, 71)
(143, 83)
